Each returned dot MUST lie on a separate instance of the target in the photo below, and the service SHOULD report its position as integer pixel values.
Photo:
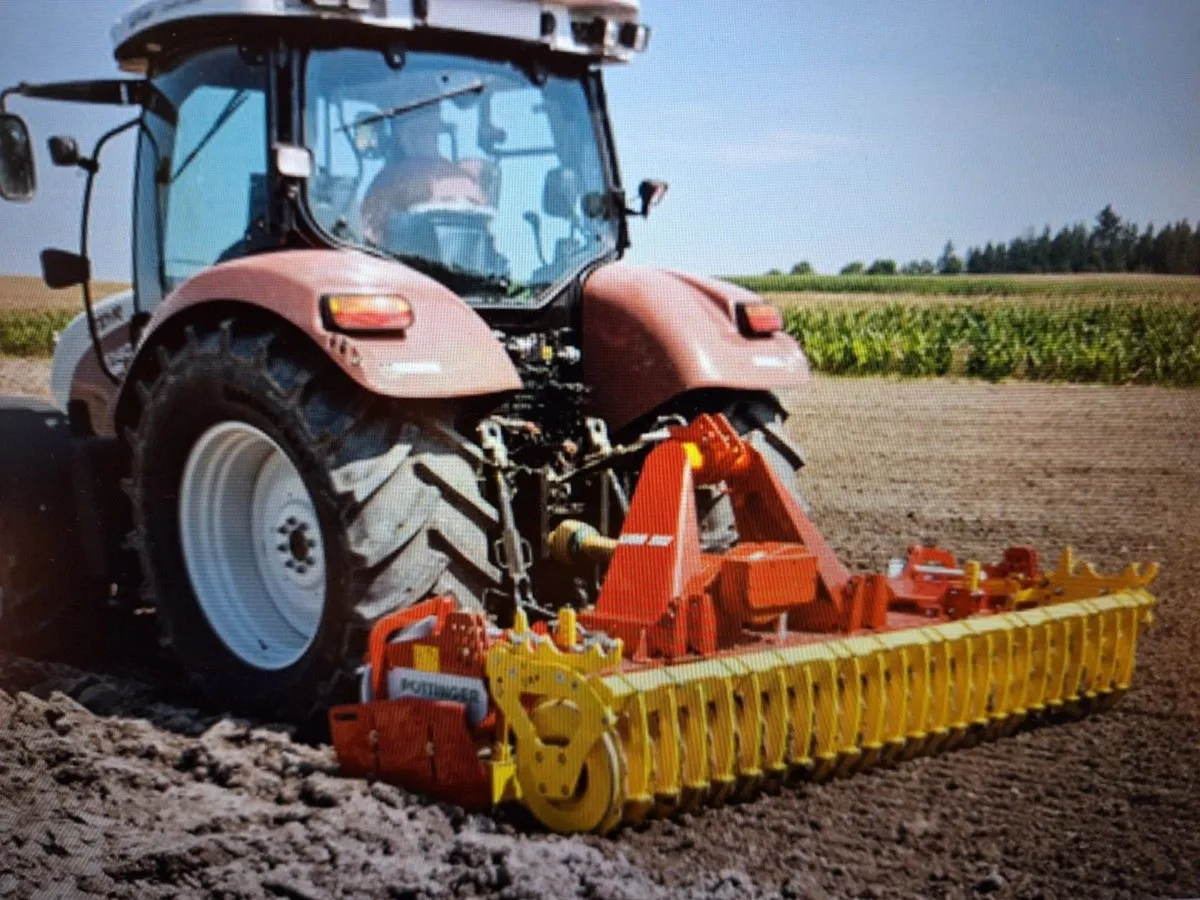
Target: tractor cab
(467, 141)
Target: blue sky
(790, 130)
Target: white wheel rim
(252, 545)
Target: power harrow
(697, 678)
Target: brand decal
(439, 687)
(769, 362)
(641, 540)
(118, 360)
(430, 367)
(429, 690)
(109, 319)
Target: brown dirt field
(25, 376)
(108, 790)
(28, 292)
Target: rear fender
(652, 336)
(448, 352)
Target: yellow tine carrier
(601, 741)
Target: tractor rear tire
(718, 531)
(378, 506)
(41, 573)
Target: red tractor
(380, 342)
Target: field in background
(1100, 341)
(31, 313)
(1112, 329)
(26, 293)
(787, 289)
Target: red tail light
(759, 319)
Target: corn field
(1108, 343)
(1120, 342)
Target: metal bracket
(512, 551)
(597, 435)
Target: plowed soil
(110, 785)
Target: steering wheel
(454, 234)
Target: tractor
(380, 341)
(387, 440)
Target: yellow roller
(599, 742)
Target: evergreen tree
(949, 263)
(975, 261)
(1041, 251)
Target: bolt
(291, 522)
(283, 548)
(311, 561)
(290, 564)
(283, 529)
(302, 569)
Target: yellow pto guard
(696, 678)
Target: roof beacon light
(634, 37)
(601, 33)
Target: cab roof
(607, 30)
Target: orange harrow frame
(695, 673)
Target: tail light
(368, 312)
(758, 319)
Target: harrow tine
(699, 734)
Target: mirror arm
(92, 171)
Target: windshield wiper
(235, 103)
(474, 87)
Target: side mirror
(18, 178)
(561, 193)
(64, 151)
(651, 194)
(63, 269)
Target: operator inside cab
(418, 177)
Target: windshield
(464, 168)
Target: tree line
(1111, 245)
